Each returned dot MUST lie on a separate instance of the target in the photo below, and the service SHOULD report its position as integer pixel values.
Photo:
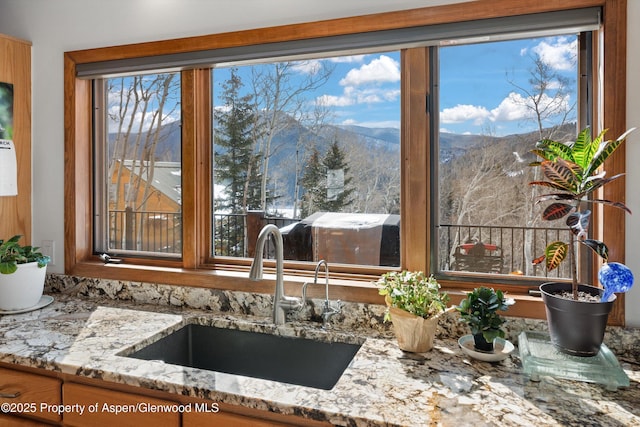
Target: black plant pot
(576, 327)
(481, 344)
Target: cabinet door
(8, 421)
(113, 408)
(224, 419)
(30, 394)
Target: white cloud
(353, 96)
(516, 107)
(334, 101)
(380, 70)
(559, 53)
(512, 108)
(464, 112)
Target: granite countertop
(84, 335)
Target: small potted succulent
(22, 274)
(577, 313)
(414, 306)
(480, 311)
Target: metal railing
(516, 247)
(145, 231)
(510, 249)
(232, 236)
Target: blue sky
(476, 93)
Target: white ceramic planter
(22, 289)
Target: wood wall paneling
(15, 68)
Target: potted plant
(480, 311)
(414, 306)
(577, 313)
(22, 274)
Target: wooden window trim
(415, 229)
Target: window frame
(352, 284)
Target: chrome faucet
(281, 303)
(327, 310)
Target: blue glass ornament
(615, 278)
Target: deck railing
(145, 231)
(512, 248)
(516, 246)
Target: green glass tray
(540, 357)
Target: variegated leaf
(598, 247)
(555, 253)
(562, 174)
(556, 211)
(618, 205)
(539, 260)
(548, 184)
(553, 150)
(584, 148)
(556, 196)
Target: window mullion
(196, 143)
(415, 158)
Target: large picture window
(497, 100)
(394, 141)
(312, 146)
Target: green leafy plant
(572, 170)
(479, 310)
(414, 292)
(12, 254)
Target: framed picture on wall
(8, 167)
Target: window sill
(234, 278)
(237, 279)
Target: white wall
(64, 25)
(632, 308)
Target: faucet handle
(333, 309)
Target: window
(138, 168)
(312, 146)
(202, 263)
(496, 101)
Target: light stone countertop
(82, 334)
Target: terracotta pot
(23, 288)
(414, 334)
(575, 327)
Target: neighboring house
(150, 219)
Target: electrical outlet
(48, 248)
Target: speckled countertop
(91, 322)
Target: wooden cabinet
(114, 408)
(68, 400)
(225, 419)
(9, 421)
(30, 395)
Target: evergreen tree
(327, 182)
(338, 188)
(313, 181)
(234, 157)
(235, 163)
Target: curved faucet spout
(326, 276)
(281, 303)
(327, 310)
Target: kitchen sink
(299, 361)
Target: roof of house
(167, 177)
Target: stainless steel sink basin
(297, 361)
